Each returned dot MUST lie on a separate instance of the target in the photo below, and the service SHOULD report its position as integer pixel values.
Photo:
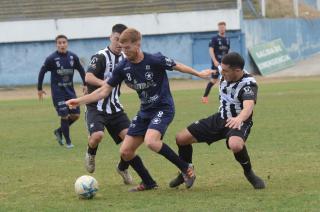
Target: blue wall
(20, 62)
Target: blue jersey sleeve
(116, 77)
(45, 67)
(80, 69)
(212, 42)
(165, 62)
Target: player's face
(229, 74)
(131, 50)
(222, 29)
(62, 45)
(115, 44)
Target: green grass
(38, 175)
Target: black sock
(168, 153)
(243, 158)
(185, 153)
(123, 165)
(137, 165)
(65, 130)
(92, 151)
(208, 88)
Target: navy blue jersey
(61, 66)
(220, 45)
(149, 79)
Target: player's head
(222, 27)
(130, 41)
(117, 29)
(232, 66)
(62, 43)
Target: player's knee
(74, 117)
(126, 154)
(236, 144)
(65, 117)
(96, 137)
(184, 138)
(179, 139)
(151, 144)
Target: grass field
(38, 175)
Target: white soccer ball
(86, 187)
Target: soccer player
(218, 47)
(61, 64)
(146, 73)
(238, 95)
(106, 113)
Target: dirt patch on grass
(30, 92)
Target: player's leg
(206, 130)
(95, 124)
(63, 112)
(153, 139)
(127, 151)
(117, 127)
(73, 117)
(236, 143)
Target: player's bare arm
(187, 69)
(93, 80)
(98, 94)
(213, 57)
(236, 122)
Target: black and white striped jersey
(232, 95)
(102, 65)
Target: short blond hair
(130, 34)
(222, 23)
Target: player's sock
(185, 153)
(137, 165)
(168, 153)
(92, 151)
(123, 165)
(208, 88)
(243, 158)
(65, 130)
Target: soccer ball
(86, 187)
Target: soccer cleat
(69, 146)
(205, 100)
(58, 135)
(90, 162)
(176, 181)
(127, 178)
(255, 181)
(189, 176)
(143, 187)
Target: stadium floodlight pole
(296, 7)
(263, 8)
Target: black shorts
(213, 128)
(114, 123)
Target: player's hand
(234, 123)
(205, 73)
(40, 94)
(72, 103)
(85, 89)
(216, 63)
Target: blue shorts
(62, 109)
(159, 120)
